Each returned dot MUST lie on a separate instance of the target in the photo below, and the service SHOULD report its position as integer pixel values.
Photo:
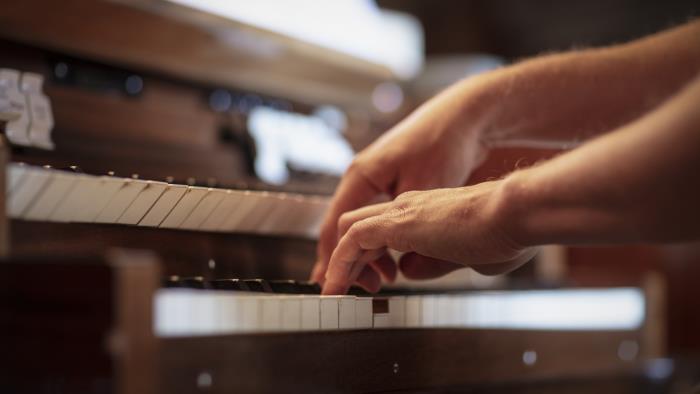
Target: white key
(92, 204)
(217, 218)
(443, 310)
(148, 196)
(243, 208)
(55, 191)
(346, 312)
(291, 221)
(428, 311)
(310, 312)
(121, 200)
(204, 313)
(381, 320)
(329, 312)
(162, 207)
(291, 313)
(83, 189)
(258, 209)
(228, 311)
(413, 311)
(397, 308)
(278, 209)
(173, 312)
(24, 195)
(271, 313)
(363, 312)
(202, 211)
(456, 311)
(15, 176)
(193, 195)
(250, 310)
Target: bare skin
(628, 185)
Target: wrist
(517, 206)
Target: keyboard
(46, 194)
(195, 306)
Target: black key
(358, 291)
(172, 281)
(284, 287)
(194, 282)
(308, 288)
(258, 285)
(229, 284)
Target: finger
(354, 191)
(386, 267)
(347, 219)
(364, 235)
(415, 266)
(369, 280)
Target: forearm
(563, 99)
(640, 183)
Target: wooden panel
(184, 253)
(385, 360)
(150, 39)
(78, 324)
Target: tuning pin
(134, 176)
(191, 181)
(110, 173)
(212, 182)
(169, 179)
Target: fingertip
(317, 273)
(334, 288)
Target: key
(124, 197)
(413, 311)
(27, 191)
(58, 187)
(347, 312)
(284, 286)
(291, 313)
(202, 211)
(258, 285)
(143, 202)
(189, 200)
(310, 312)
(216, 219)
(162, 207)
(363, 312)
(92, 203)
(229, 284)
(397, 311)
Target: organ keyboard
(46, 194)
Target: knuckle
(355, 230)
(344, 222)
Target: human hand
(441, 230)
(437, 146)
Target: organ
(135, 231)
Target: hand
(442, 230)
(437, 146)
